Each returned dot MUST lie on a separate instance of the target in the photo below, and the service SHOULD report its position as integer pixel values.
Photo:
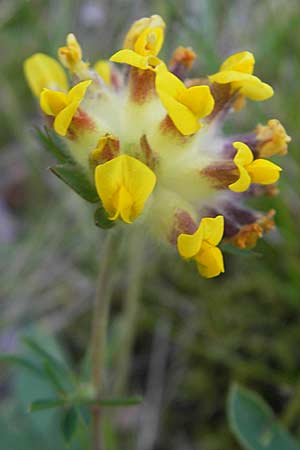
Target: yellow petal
(263, 171)
(41, 72)
(210, 261)
(149, 42)
(253, 88)
(123, 201)
(103, 69)
(124, 185)
(167, 83)
(64, 118)
(213, 229)
(230, 76)
(244, 155)
(189, 245)
(183, 118)
(52, 102)
(243, 183)
(198, 99)
(184, 106)
(241, 62)
(130, 57)
(78, 91)
(243, 158)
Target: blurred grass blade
(46, 403)
(69, 424)
(76, 179)
(20, 361)
(253, 423)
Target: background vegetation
(193, 336)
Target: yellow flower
(141, 25)
(103, 69)
(237, 70)
(260, 171)
(142, 44)
(185, 106)
(124, 185)
(71, 54)
(41, 72)
(202, 246)
(63, 106)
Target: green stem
(131, 303)
(99, 331)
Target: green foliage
(69, 424)
(18, 428)
(69, 171)
(67, 391)
(18, 360)
(101, 219)
(54, 145)
(73, 175)
(46, 403)
(253, 422)
(77, 180)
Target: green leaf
(52, 375)
(115, 402)
(46, 403)
(101, 219)
(69, 424)
(76, 179)
(253, 423)
(20, 361)
(40, 351)
(54, 145)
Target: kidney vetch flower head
(145, 142)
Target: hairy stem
(99, 331)
(130, 313)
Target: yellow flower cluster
(150, 141)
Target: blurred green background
(193, 336)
